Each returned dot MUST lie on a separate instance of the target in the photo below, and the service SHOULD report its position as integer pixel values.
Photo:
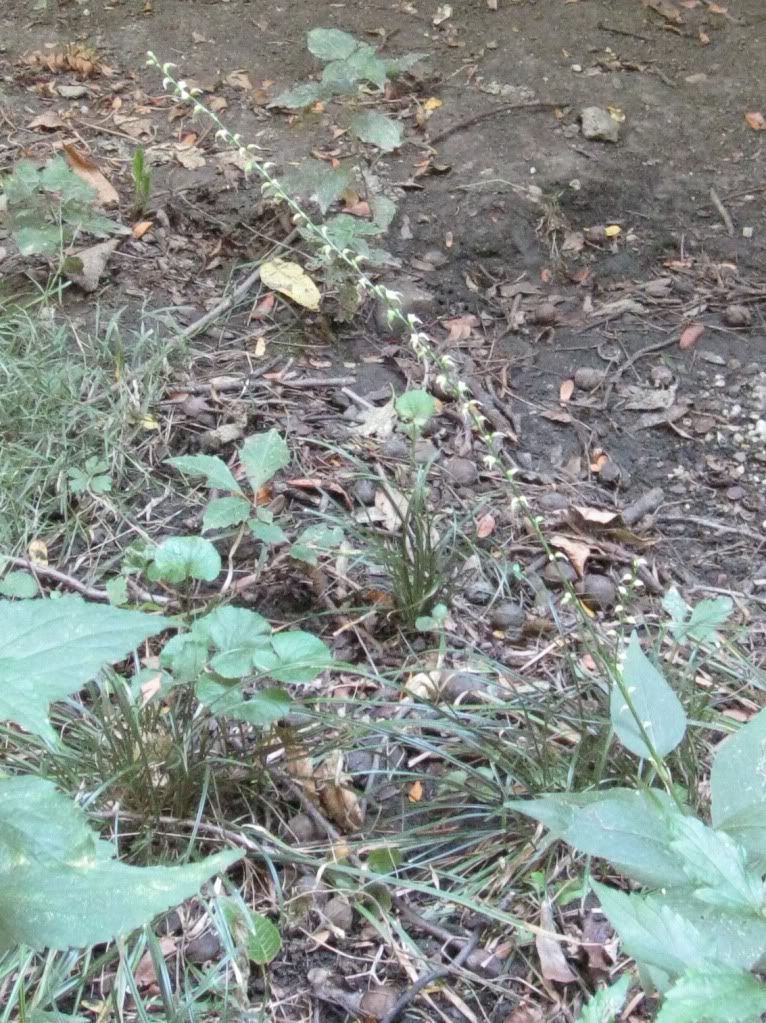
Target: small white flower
(490, 461)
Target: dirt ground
(605, 300)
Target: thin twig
(507, 108)
(723, 213)
(428, 978)
(91, 592)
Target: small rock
(301, 829)
(360, 761)
(553, 501)
(460, 682)
(412, 299)
(610, 473)
(597, 591)
(479, 591)
(364, 491)
(507, 616)
(737, 316)
(660, 287)
(204, 948)
(72, 91)
(661, 376)
(436, 258)
(557, 573)
(339, 913)
(462, 471)
(596, 234)
(377, 1003)
(546, 314)
(588, 379)
(735, 493)
(395, 447)
(425, 451)
(598, 125)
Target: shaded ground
(517, 277)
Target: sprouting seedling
(142, 181)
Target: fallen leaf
(140, 229)
(338, 799)
(650, 419)
(585, 517)
(443, 13)
(49, 120)
(415, 793)
(150, 688)
(556, 415)
(704, 38)
(756, 120)
(38, 553)
(485, 526)
(239, 80)
(690, 335)
(87, 170)
(461, 328)
(376, 421)
(666, 9)
(566, 390)
(190, 157)
(291, 280)
(552, 960)
(392, 507)
(577, 551)
(86, 267)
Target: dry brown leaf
(86, 267)
(666, 9)
(76, 57)
(756, 120)
(577, 551)
(150, 688)
(585, 517)
(140, 229)
(552, 960)
(415, 793)
(485, 526)
(556, 415)
(690, 335)
(339, 801)
(566, 390)
(239, 80)
(49, 120)
(461, 328)
(87, 170)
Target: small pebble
(553, 501)
(610, 473)
(507, 616)
(364, 491)
(478, 591)
(598, 125)
(588, 379)
(737, 316)
(462, 471)
(597, 591)
(339, 913)
(557, 573)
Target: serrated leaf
(675, 605)
(714, 994)
(739, 767)
(59, 889)
(654, 933)
(291, 280)
(301, 656)
(702, 624)
(302, 95)
(317, 180)
(399, 65)
(716, 866)
(738, 940)
(263, 942)
(20, 585)
(238, 636)
(262, 456)
(43, 240)
(364, 65)
(377, 129)
(629, 828)
(331, 43)
(416, 407)
(657, 706)
(185, 557)
(214, 471)
(262, 708)
(224, 512)
(186, 656)
(58, 176)
(51, 648)
(267, 532)
(316, 540)
(606, 1004)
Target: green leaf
(657, 706)
(654, 933)
(748, 829)
(117, 590)
(214, 471)
(699, 624)
(58, 176)
(331, 43)
(629, 828)
(223, 512)
(263, 942)
(266, 532)
(416, 407)
(302, 95)
(238, 635)
(301, 656)
(43, 240)
(20, 585)
(185, 557)
(383, 211)
(714, 994)
(606, 1004)
(738, 940)
(316, 180)
(384, 860)
(262, 709)
(739, 767)
(714, 862)
(186, 656)
(22, 183)
(58, 888)
(316, 540)
(377, 129)
(51, 648)
(399, 65)
(364, 65)
(262, 456)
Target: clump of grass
(67, 398)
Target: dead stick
(507, 108)
(428, 978)
(723, 213)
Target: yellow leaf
(432, 103)
(38, 553)
(613, 231)
(149, 423)
(291, 280)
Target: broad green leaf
(714, 994)
(739, 769)
(699, 624)
(214, 471)
(748, 829)
(58, 176)
(383, 211)
(316, 540)
(43, 240)
(338, 79)
(267, 532)
(653, 933)
(117, 590)
(416, 407)
(185, 557)
(59, 888)
(657, 706)
(738, 939)
(223, 512)
(301, 656)
(302, 95)
(51, 648)
(186, 657)
(377, 129)
(237, 635)
(364, 65)
(262, 456)
(675, 605)
(629, 828)
(331, 43)
(20, 585)
(606, 1004)
(262, 709)
(22, 183)
(716, 866)
(263, 942)
(384, 860)
(317, 180)
(399, 65)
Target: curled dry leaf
(339, 801)
(566, 390)
(690, 335)
(485, 526)
(586, 518)
(577, 551)
(87, 170)
(552, 960)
